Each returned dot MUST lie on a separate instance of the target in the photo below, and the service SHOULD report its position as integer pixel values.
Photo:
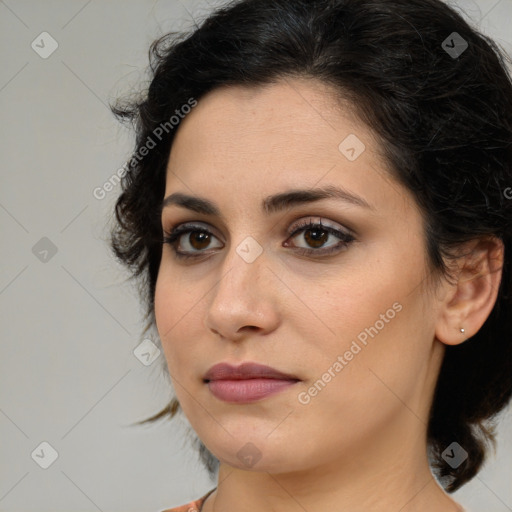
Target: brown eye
(192, 246)
(199, 239)
(315, 235)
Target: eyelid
(300, 224)
(345, 237)
(290, 231)
(180, 227)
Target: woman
(318, 211)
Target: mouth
(246, 383)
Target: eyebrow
(271, 204)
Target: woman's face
(347, 313)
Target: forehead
(270, 138)
(300, 108)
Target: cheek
(165, 306)
(382, 369)
(176, 297)
(175, 305)
(376, 315)
(347, 304)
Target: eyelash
(346, 238)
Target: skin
(360, 443)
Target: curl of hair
(445, 126)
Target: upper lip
(226, 371)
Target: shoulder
(193, 506)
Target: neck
(386, 476)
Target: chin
(259, 454)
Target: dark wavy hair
(444, 120)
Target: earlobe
(471, 297)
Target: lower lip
(248, 390)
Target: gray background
(70, 323)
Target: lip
(247, 382)
(226, 371)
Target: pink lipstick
(246, 383)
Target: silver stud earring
(462, 330)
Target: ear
(469, 299)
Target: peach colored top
(193, 506)
(197, 505)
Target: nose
(245, 298)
